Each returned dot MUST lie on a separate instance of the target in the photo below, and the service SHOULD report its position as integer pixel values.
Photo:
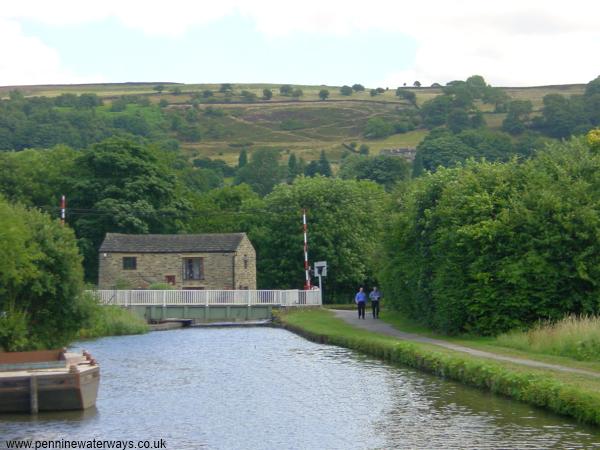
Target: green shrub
(489, 247)
(14, 336)
(109, 320)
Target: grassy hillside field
(305, 125)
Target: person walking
(375, 296)
(361, 301)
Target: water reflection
(265, 388)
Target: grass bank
(574, 337)
(111, 321)
(574, 395)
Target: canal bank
(572, 394)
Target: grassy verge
(574, 395)
(112, 321)
(575, 337)
(507, 347)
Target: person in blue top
(375, 296)
(361, 301)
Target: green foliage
(286, 89)
(404, 93)
(442, 148)
(123, 185)
(517, 119)
(345, 217)
(263, 171)
(323, 94)
(490, 247)
(384, 170)
(230, 209)
(346, 90)
(14, 334)
(40, 279)
(109, 320)
(377, 128)
(358, 87)
(267, 94)
(243, 158)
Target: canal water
(266, 388)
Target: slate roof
(171, 243)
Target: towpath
(378, 326)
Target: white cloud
(27, 60)
(510, 42)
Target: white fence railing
(293, 297)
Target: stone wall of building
(245, 265)
(156, 267)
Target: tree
(286, 89)
(410, 96)
(324, 165)
(417, 84)
(358, 88)
(243, 158)
(226, 88)
(323, 94)
(229, 209)
(159, 88)
(346, 90)
(363, 149)
(267, 94)
(458, 120)
(263, 171)
(344, 218)
(373, 92)
(248, 96)
(517, 119)
(297, 93)
(378, 128)
(435, 111)
(126, 188)
(207, 93)
(383, 170)
(488, 247)
(176, 90)
(41, 281)
(293, 168)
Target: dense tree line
(488, 247)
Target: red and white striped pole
(306, 270)
(63, 209)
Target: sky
(375, 43)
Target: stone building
(186, 261)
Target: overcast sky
(376, 43)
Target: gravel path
(378, 326)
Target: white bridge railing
(293, 297)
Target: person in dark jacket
(375, 296)
(361, 301)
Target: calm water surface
(265, 388)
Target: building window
(170, 279)
(245, 261)
(129, 263)
(193, 269)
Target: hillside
(228, 121)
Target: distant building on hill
(406, 152)
(186, 261)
